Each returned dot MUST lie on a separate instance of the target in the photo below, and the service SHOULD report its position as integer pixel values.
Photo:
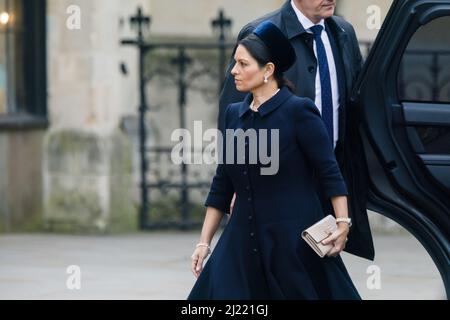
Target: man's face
(316, 9)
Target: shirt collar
(306, 23)
(268, 106)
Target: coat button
(249, 199)
(250, 217)
(245, 173)
(252, 234)
(247, 187)
(311, 69)
(255, 250)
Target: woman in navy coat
(260, 254)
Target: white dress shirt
(307, 24)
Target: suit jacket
(349, 151)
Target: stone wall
(88, 172)
(366, 16)
(192, 18)
(21, 180)
(87, 180)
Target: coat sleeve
(313, 139)
(222, 189)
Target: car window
(424, 75)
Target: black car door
(403, 98)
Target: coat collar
(268, 106)
(334, 25)
(291, 22)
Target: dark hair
(259, 51)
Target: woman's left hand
(338, 239)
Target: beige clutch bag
(318, 232)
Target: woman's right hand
(198, 257)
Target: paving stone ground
(156, 266)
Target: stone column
(87, 159)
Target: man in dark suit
(328, 63)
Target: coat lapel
(333, 35)
(342, 41)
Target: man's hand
(338, 239)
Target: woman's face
(247, 73)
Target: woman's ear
(270, 69)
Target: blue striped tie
(325, 81)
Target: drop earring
(265, 79)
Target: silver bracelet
(346, 220)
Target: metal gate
(181, 61)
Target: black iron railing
(181, 62)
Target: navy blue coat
(260, 254)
